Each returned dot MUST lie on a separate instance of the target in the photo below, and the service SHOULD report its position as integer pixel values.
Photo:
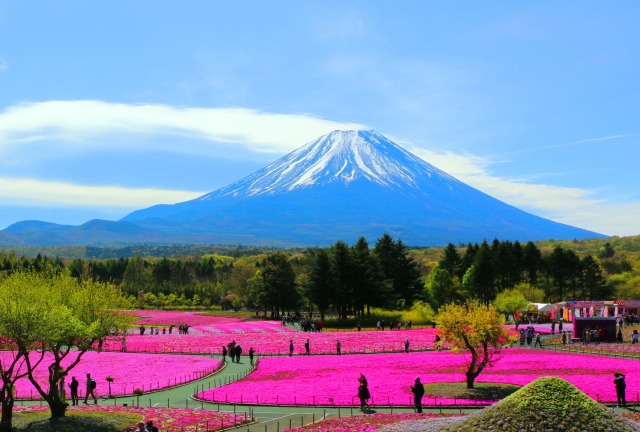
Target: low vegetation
(40, 421)
(481, 391)
(548, 403)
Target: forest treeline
(348, 280)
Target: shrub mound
(546, 404)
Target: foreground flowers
(166, 419)
(364, 423)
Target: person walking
(238, 353)
(290, 347)
(91, 388)
(224, 353)
(621, 387)
(406, 345)
(363, 393)
(538, 341)
(307, 348)
(564, 338)
(339, 347)
(74, 390)
(438, 343)
(418, 391)
(251, 352)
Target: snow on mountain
(338, 157)
(344, 185)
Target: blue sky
(108, 107)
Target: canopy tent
(544, 307)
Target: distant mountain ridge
(343, 185)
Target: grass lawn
(481, 390)
(40, 421)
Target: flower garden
(148, 372)
(151, 362)
(168, 420)
(266, 337)
(333, 380)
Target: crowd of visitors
(182, 329)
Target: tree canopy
(474, 329)
(46, 318)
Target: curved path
(270, 418)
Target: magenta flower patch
(332, 380)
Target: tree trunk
(58, 407)
(6, 422)
(471, 377)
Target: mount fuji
(341, 186)
(344, 185)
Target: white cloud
(573, 206)
(32, 192)
(91, 121)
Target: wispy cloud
(573, 206)
(571, 144)
(3, 65)
(34, 192)
(86, 120)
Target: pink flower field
(199, 322)
(332, 380)
(176, 318)
(277, 343)
(130, 371)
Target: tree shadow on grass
(481, 390)
(75, 424)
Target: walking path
(270, 418)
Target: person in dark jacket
(621, 387)
(363, 393)
(74, 390)
(418, 391)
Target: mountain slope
(344, 185)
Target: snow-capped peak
(340, 156)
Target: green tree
(451, 260)
(367, 286)
(278, 283)
(343, 277)
(479, 280)
(563, 266)
(509, 301)
(441, 288)
(321, 283)
(474, 329)
(606, 251)
(58, 318)
(531, 293)
(594, 285)
(399, 269)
